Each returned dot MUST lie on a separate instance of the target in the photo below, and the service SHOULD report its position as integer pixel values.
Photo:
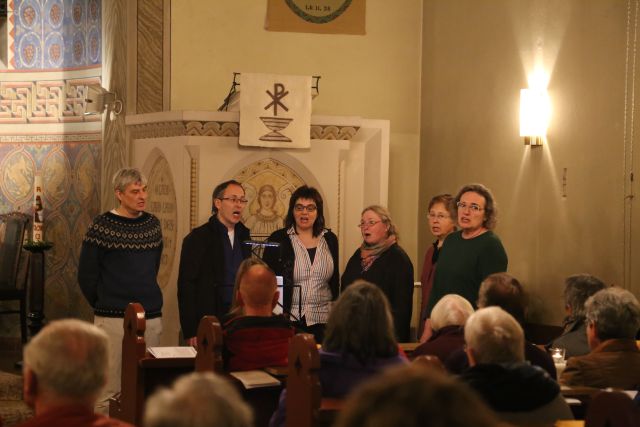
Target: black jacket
(513, 387)
(281, 260)
(202, 271)
(393, 273)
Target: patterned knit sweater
(119, 263)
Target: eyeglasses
(308, 208)
(371, 223)
(235, 200)
(474, 207)
(439, 216)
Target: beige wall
(476, 58)
(373, 76)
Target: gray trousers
(114, 328)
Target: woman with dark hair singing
(307, 260)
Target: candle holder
(557, 354)
(36, 284)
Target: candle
(557, 354)
(38, 210)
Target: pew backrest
(612, 409)
(143, 373)
(303, 385)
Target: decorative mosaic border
(214, 128)
(45, 101)
(51, 138)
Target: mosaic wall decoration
(54, 54)
(55, 34)
(46, 101)
(71, 176)
(268, 186)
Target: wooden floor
(8, 359)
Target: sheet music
(255, 379)
(172, 352)
(278, 308)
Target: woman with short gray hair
(447, 321)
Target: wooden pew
(583, 394)
(142, 373)
(305, 406)
(612, 409)
(303, 386)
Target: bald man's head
(258, 289)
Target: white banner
(275, 110)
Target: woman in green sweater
(473, 252)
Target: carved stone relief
(162, 203)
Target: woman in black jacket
(381, 261)
(307, 260)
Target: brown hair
(504, 291)
(361, 324)
(415, 396)
(447, 200)
(490, 208)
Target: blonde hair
(385, 217)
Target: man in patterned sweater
(119, 264)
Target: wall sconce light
(535, 112)
(99, 99)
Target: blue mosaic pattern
(71, 178)
(57, 34)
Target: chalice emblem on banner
(276, 124)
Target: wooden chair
(13, 266)
(142, 373)
(612, 409)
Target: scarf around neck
(368, 254)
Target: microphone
(261, 244)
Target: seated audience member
(577, 289)
(200, 399)
(415, 396)
(505, 291)
(516, 390)
(256, 338)
(613, 319)
(359, 343)
(65, 369)
(447, 322)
